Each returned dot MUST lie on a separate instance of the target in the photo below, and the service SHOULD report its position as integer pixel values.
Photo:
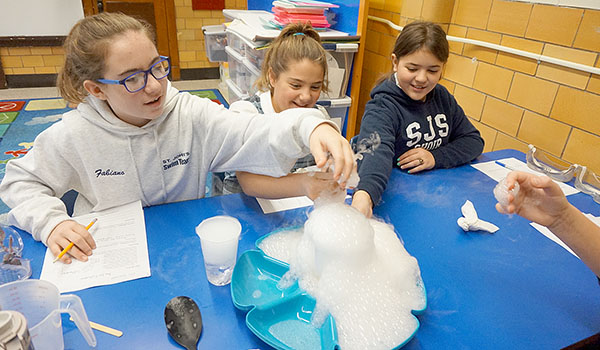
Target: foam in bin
(355, 269)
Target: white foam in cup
(219, 237)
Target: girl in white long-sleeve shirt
(294, 73)
(135, 137)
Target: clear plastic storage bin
(253, 74)
(256, 56)
(215, 41)
(339, 67)
(254, 51)
(337, 109)
(340, 57)
(234, 93)
(235, 42)
(238, 72)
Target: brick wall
(31, 60)
(190, 39)
(512, 100)
(48, 60)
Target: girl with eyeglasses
(420, 124)
(135, 137)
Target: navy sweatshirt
(438, 125)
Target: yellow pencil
(67, 248)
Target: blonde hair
(86, 47)
(296, 42)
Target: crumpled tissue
(471, 222)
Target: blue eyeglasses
(137, 81)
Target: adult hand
(539, 198)
(325, 141)
(416, 160)
(361, 200)
(70, 231)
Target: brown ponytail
(297, 41)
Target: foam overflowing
(358, 271)
(282, 246)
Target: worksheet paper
(269, 206)
(336, 80)
(546, 232)
(274, 205)
(121, 252)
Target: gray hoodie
(110, 163)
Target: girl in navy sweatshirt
(420, 124)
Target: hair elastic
(298, 34)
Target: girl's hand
(416, 160)
(325, 141)
(315, 183)
(361, 200)
(539, 199)
(70, 231)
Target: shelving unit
(244, 59)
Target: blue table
(514, 289)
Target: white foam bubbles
(358, 271)
(281, 246)
(339, 235)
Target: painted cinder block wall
(190, 39)
(31, 60)
(512, 100)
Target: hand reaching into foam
(326, 143)
(361, 200)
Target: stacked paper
(293, 11)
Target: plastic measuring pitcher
(41, 304)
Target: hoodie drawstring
(162, 178)
(137, 174)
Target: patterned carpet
(22, 120)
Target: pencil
(67, 248)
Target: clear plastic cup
(41, 304)
(12, 266)
(17, 269)
(219, 237)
